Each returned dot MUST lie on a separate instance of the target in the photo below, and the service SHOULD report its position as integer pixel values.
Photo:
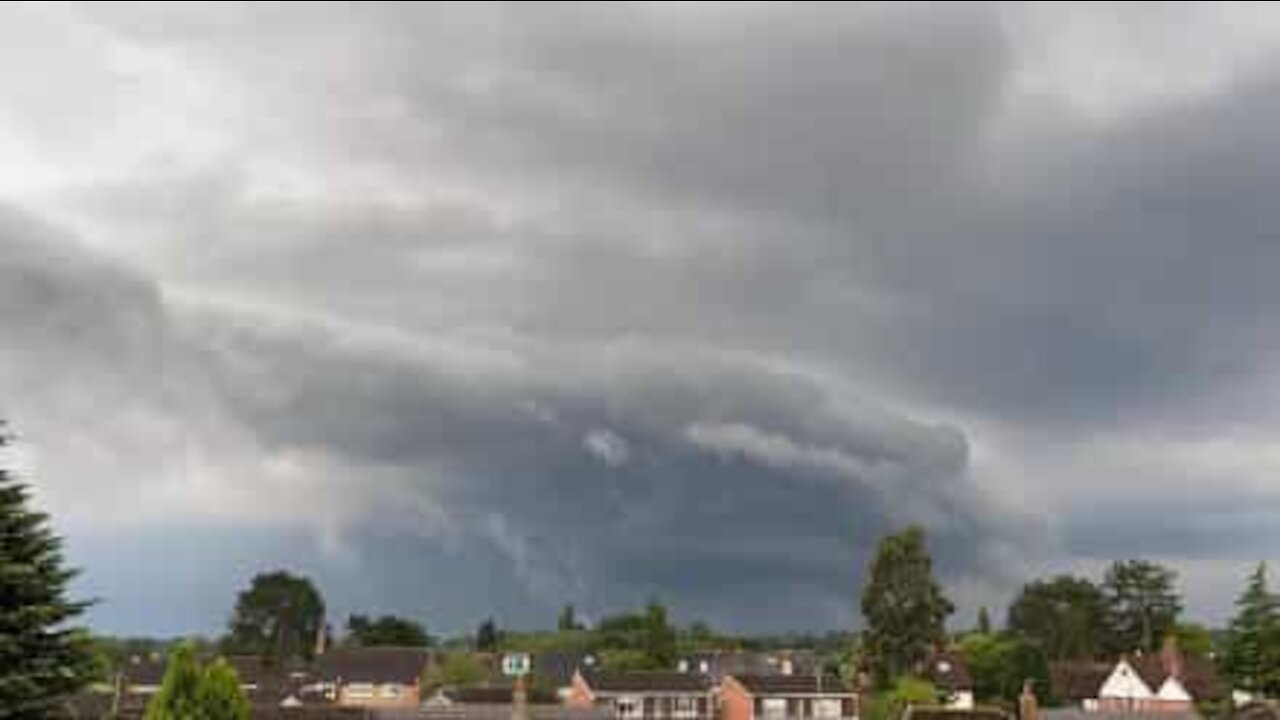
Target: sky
(464, 310)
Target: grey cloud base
(586, 305)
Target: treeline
(1133, 608)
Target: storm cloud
(458, 307)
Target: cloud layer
(467, 306)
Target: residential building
(949, 672)
(378, 677)
(719, 664)
(786, 697)
(645, 695)
(1164, 682)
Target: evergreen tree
(568, 619)
(984, 621)
(220, 696)
(659, 637)
(1064, 615)
(1253, 646)
(178, 696)
(1142, 605)
(42, 659)
(487, 636)
(903, 607)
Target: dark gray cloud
(614, 302)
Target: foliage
(189, 692)
(220, 696)
(1253, 644)
(1142, 605)
(386, 630)
(984, 621)
(279, 617)
(905, 691)
(1194, 640)
(659, 637)
(568, 619)
(625, 660)
(178, 695)
(904, 608)
(1001, 663)
(1066, 616)
(42, 658)
(456, 669)
(487, 636)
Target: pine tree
(42, 658)
(984, 621)
(904, 609)
(1253, 647)
(178, 696)
(219, 696)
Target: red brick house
(786, 697)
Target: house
(943, 712)
(786, 697)
(488, 695)
(949, 672)
(645, 695)
(556, 668)
(375, 677)
(719, 664)
(1076, 682)
(1163, 682)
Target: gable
(1124, 682)
(1173, 690)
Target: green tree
(904, 609)
(456, 669)
(659, 637)
(1001, 663)
(1253, 640)
(1066, 616)
(385, 631)
(984, 621)
(1194, 640)
(568, 619)
(1142, 605)
(220, 696)
(487, 636)
(42, 658)
(179, 693)
(278, 618)
(905, 691)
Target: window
(685, 707)
(627, 707)
(826, 708)
(359, 691)
(391, 691)
(775, 708)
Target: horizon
(479, 310)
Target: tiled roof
(950, 671)
(647, 682)
(491, 695)
(1073, 681)
(721, 663)
(372, 665)
(1197, 675)
(793, 684)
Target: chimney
(1028, 707)
(322, 633)
(1171, 658)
